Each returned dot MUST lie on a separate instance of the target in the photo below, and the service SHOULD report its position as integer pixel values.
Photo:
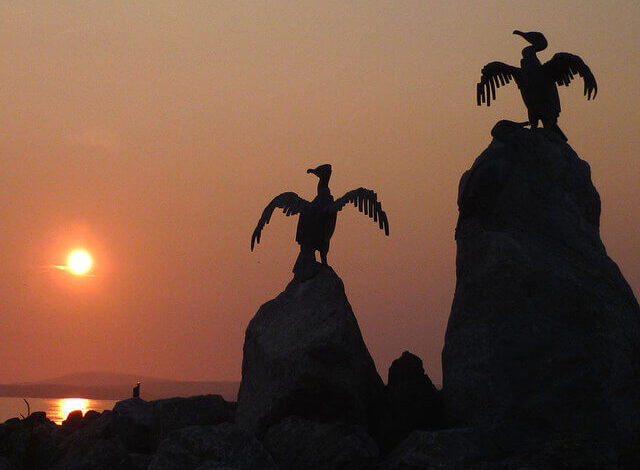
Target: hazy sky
(154, 133)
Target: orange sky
(154, 133)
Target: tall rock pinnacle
(544, 330)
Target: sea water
(57, 409)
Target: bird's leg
(323, 257)
(533, 121)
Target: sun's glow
(72, 404)
(79, 262)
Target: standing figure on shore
(536, 81)
(317, 219)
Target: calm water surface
(57, 409)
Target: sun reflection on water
(63, 406)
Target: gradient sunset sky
(152, 134)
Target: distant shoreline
(149, 391)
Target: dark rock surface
(90, 416)
(74, 444)
(304, 355)
(544, 331)
(449, 449)
(141, 424)
(29, 443)
(139, 461)
(36, 443)
(73, 421)
(101, 454)
(133, 423)
(497, 448)
(209, 447)
(299, 444)
(413, 400)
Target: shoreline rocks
(126, 438)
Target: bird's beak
(519, 33)
(311, 170)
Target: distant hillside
(111, 386)
(101, 378)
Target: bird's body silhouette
(317, 220)
(536, 81)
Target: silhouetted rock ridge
(544, 330)
(412, 400)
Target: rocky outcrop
(413, 402)
(126, 438)
(299, 444)
(544, 331)
(29, 443)
(73, 421)
(92, 429)
(304, 356)
(141, 424)
(100, 454)
(211, 447)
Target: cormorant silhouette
(536, 81)
(317, 219)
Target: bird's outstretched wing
(564, 66)
(367, 201)
(290, 203)
(494, 75)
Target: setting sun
(79, 262)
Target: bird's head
(323, 172)
(536, 39)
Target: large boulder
(74, 421)
(544, 330)
(304, 356)
(142, 424)
(132, 422)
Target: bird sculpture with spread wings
(536, 81)
(317, 219)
